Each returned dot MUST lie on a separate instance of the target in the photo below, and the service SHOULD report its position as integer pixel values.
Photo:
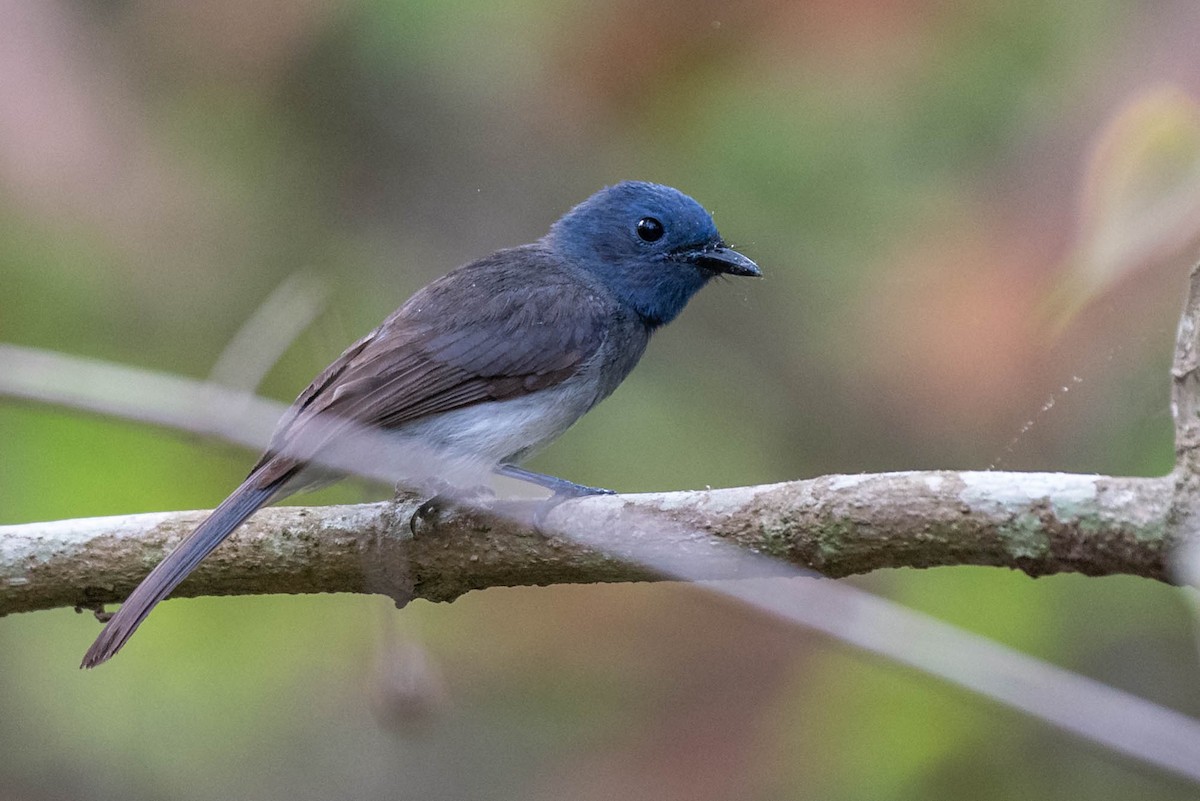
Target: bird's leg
(563, 490)
(559, 486)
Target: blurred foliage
(1142, 193)
(926, 186)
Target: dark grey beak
(721, 259)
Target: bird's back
(493, 359)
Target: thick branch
(1040, 523)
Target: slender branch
(269, 332)
(1185, 381)
(1183, 518)
(1039, 523)
(119, 391)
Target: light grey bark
(1040, 523)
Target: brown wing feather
(481, 333)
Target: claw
(96, 609)
(431, 508)
(475, 498)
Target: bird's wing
(478, 334)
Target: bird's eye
(649, 229)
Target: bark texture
(1040, 523)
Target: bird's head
(652, 245)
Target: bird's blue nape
(639, 239)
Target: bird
(491, 361)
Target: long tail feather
(233, 511)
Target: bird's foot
(427, 513)
(564, 492)
(96, 609)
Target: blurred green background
(975, 221)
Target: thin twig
(266, 334)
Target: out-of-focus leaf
(1141, 196)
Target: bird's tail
(233, 511)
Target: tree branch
(1040, 523)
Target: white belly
(508, 430)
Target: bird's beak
(721, 259)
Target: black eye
(649, 229)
